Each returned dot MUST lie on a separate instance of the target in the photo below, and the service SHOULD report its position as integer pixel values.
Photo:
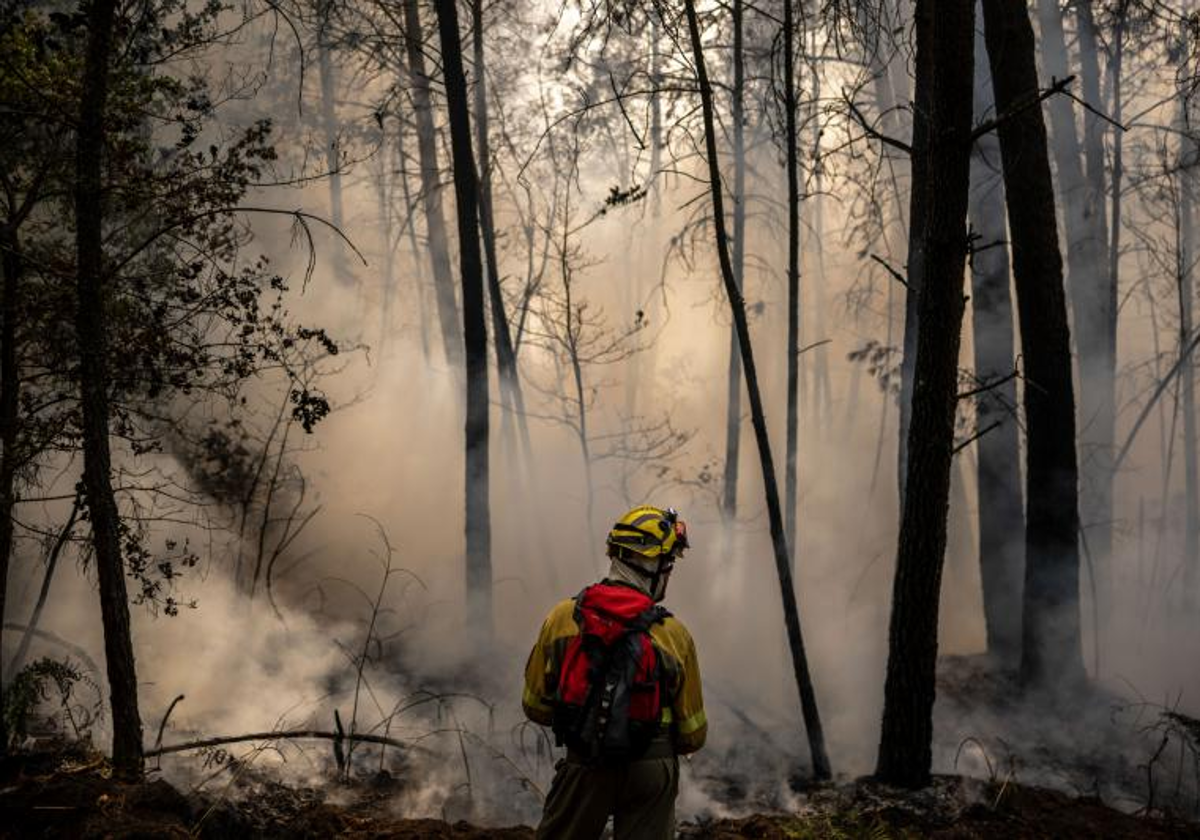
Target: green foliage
(44, 681)
(193, 318)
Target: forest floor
(1027, 774)
(70, 793)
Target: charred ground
(72, 793)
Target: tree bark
(941, 178)
(1050, 648)
(431, 187)
(791, 612)
(466, 194)
(1001, 511)
(92, 337)
(912, 291)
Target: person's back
(617, 678)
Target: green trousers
(640, 796)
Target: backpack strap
(643, 621)
(578, 613)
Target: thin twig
(896, 275)
(875, 133)
(976, 437)
(1056, 86)
(974, 392)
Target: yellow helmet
(650, 532)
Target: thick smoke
(390, 458)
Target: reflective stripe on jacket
(683, 705)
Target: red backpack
(609, 695)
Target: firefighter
(616, 677)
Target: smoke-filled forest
(336, 335)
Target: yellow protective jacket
(683, 702)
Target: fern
(39, 682)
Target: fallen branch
(290, 735)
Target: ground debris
(72, 794)
(952, 808)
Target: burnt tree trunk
(1050, 647)
(1001, 513)
(941, 177)
(92, 337)
(466, 194)
(792, 442)
(912, 291)
(431, 187)
(791, 611)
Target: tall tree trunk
(506, 359)
(329, 125)
(822, 405)
(1090, 288)
(733, 380)
(1101, 436)
(384, 177)
(1050, 649)
(791, 138)
(466, 194)
(791, 612)
(912, 302)
(10, 383)
(887, 86)
(1185, 229)
(1001, 513)
(1187, 380)
(1118, 147)
(431, 187)
(941, 178)
(92, 337)
(411, 223)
